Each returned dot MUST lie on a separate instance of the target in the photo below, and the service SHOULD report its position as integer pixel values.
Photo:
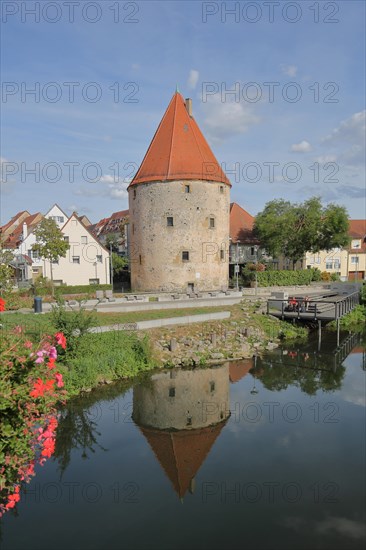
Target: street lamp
(237, 265)
(256, 265)
(111, 263)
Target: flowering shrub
(30, 388)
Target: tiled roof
(241, 225)
(357, 230)
(13, 239)
(178, 150)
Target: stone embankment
(215, 342)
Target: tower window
(222, 254)
(212, 386)
(221, 189)
(140, 259)
(187, 188)
(133, 228)
(170, 221)
(134, 193)
(212, 223)
(185, 256)
(171, 392)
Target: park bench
(109, 296)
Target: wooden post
(319, 334)
(338, 328)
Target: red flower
(2, 304)
(51, 363)
(40, 388)
(13, 499)
(48, 447)
(60, 339)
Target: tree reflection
(78, 424)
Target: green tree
(119, 263)
(294, 229)
(50, 243)
(6, 279)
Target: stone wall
(156, 248)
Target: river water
(267, 453)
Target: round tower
(179, 203)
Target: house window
(187, 188)
(354, 259)
(252, 251)
(94, 281)
(221, 189)
(76, 259)
(329, 265)
(169, 221)
(58, 282)
(35, 255)
(99, 258)
(66, 239)
(84, 240)
(55, 261)
(185, 256)
(356, 243)
(337, 264)
(212, 223)
(171, 392)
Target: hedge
(285, 277)
(69, 289)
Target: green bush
(74, 324)
(106, 357)
(285, 277)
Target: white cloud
(289, 70)
(193, 79)
(323, 159)
(226, 119)
(302, 147)
(351, 130)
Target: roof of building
(182, 453)
(357, 230)
(109, 225)
(178, 150)
(14, 219)
(241, 225)
(14, 238)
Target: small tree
(50, 243)
(119, 263)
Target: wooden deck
(326, 307)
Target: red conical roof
(179, 150)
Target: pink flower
(52, 354)
(59, 380)
(28, 344)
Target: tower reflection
(181, 413)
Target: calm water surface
(263, 454)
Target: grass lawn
(35, 325)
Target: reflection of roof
(238, 369)
(241, 225)
(358, 349)
(178, 150)
(182, 453)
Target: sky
(278, 90)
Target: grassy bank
(93, 359)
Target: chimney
(189, 106)
(25, 231)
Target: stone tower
(179, 204)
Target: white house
(86, 261)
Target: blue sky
(294, 128)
